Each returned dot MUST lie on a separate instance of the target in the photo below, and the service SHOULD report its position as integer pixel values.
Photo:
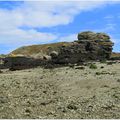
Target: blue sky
(25, 23)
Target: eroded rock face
(90, 46)
(19, 63)
(88, 35)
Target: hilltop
(87, 41)
(37, 49)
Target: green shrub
(93, 66)
(110, 63)
(118, 80)
(103, 61)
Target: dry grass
(115, 54)
(34, 49)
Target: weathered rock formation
(88, 35)
(23, 62)
(18, 63)
(89, 46)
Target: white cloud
(46, 13)
(52, 13)
(40, 14)
(16, 38)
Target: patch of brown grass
(44, 48)
(115, 54)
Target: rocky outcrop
(88, 35)
(89, 46)
(19, 63)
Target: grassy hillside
(3, 55)
(115, 54)
(35, 49)
(45, 49)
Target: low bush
(103, 61)
(93, 66)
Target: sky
(26, 22)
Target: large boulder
(19, 62)
(99, 42)
(90, 46)
(102, 36)
(88, 35)
(54, 54)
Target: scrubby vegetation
(93, 66)
(3, 55)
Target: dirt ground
(65, 92)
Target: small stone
(41, 77)
(102, 67)
(118, 80)
(81, 68)
(1, 71)
(28, 111)
(71, 65)
(3, 99)
(72, 107)
(45, 91)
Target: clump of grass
(118, 80)
(103, 61)
(110, 63)
(93, 66)
(71, 65)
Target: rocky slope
(37, 50)
(67, 92)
